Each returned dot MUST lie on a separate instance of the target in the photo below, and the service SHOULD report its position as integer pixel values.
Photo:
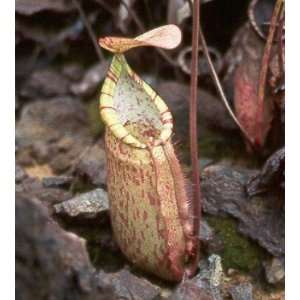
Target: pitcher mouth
(116, 113)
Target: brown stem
(89, 29)
(219, 87)
(193, 119)
(264, 71)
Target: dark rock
(91, 80)
(55, 132)
(40, 152)
(57, 181)
(53, 42)
(73, 71)
(51, 263)
(92, 165)
(128, 286)
(45, 83)
(271, 175)
(48, 121)
(33, 188)
(20, 174)
(274, 270)
(242, 291)
(210, 109)
(30, 7)
(85, 206)
(206, 285)
(224, 194)
(189, 290)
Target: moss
(96, 124)
(239, 252)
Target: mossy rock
(239, 252)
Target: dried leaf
(167, 37)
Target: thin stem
(193, 118)
(219, 87)
(89, 29)
(264, 71)
(134, 16)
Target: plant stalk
(193, 119)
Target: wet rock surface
(85, 206)
(224, 194)
(51, 263)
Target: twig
(134, 16)
(89, 29)
(193, 118)
(264, 70)
(219, 87)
